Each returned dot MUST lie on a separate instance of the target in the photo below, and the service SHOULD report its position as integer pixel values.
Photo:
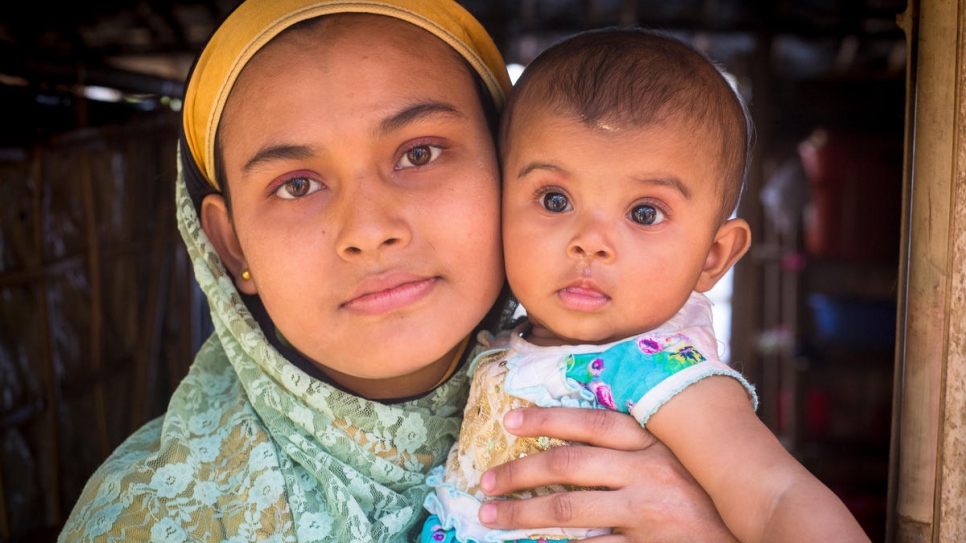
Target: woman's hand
(652, 497)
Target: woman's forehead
(347, 49)
(332, 38)
(316, 87)
(366, 31)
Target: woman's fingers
(580, 509)
(568, 465)
(636, 485)
(598, 427)
(665, 511)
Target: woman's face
(365, 199)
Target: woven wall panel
(99, 314)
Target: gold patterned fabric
(484, 443)
(483, 434)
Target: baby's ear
(217, 226)
(731, 242)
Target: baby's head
(624, 155)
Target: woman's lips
(386, 294)
(582, 297)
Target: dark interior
(99, 315)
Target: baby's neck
(540, 335)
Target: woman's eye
(420, 155)
(297, 187)
(647, 215)
(555, 202)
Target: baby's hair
(641, 78)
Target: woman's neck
(404, 386)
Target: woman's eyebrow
(395, 122)
(278, 152)
(416, 112)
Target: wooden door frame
(927, 481)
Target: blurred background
(100, 317)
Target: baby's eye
(646, 215)
(555, 202)
(297, 187)
(419, 155)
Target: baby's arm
(760, 490)
(650, 496)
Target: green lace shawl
(253, 449)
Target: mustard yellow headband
(255, 22)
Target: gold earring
(246, 275)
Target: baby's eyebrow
(416, 112)
(672, 182)
(540, 166)
(278, 152)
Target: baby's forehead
(670, 125)
(681, 141)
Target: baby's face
(365, 197)
(606, 229)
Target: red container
(855, 186)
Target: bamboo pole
(751, 295)
(909, 22)
(97, 316)
(951, 479)
(52, 401)
(4, 521)
(149, 342)
(930, 478)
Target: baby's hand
(651, 498)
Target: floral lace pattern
(253, 449)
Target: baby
(624, 154)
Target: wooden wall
(97, 309)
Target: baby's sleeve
(639, 376)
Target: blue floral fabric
(624, 373)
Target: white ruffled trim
(670, 387)
(459, 511)
(456, 509)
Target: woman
(339, 199)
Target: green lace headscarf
(252, 448)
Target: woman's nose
(373, 219)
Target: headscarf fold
(252, 448)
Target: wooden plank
(97, 303)
(52, 400)
(929, 304)
(951, 480)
